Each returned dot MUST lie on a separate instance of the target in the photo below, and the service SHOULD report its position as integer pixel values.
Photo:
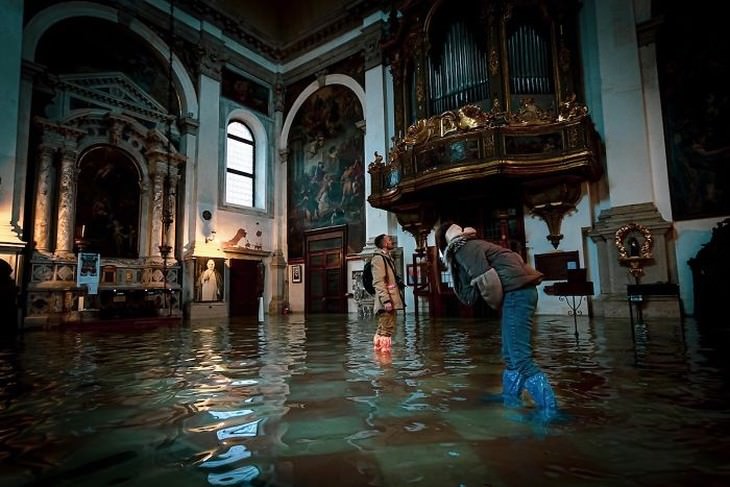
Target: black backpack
(367, 278)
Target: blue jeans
(518, 310)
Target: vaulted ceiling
(283, 29)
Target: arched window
(240, 165)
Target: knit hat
(453, 231)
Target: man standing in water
(388, 296)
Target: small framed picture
(296, 273)
(416, 274)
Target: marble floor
(305, 401)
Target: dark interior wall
(693, 56)
(73, 47)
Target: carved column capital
(211, 55)
(371, 49)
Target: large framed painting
(107, 203)
(326, 174)
(693, 57)
(245, 91)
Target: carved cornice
(58, 135)
(371, 47)
(114, 90)
(273, 49)
(211, 52)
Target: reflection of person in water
(210, 283)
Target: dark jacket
(477, 256)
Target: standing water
(302, 402)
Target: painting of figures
(326, 169)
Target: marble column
(172, 189)
(278, 280)
(66, 204)
(41, 229)
(158, 191)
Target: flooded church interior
(190, 191)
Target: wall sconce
(210, 237)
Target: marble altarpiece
(103, 168)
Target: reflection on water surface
(295, 402)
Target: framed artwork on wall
(326, 172)
(696, 111)
(209, 279)
(296, 273)
(416, 274)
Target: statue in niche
(634, 247)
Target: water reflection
(294, 402)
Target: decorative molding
(114, 90)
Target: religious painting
(326, 173)
(245, 91)
(209, 279)
(107, 203)
(693, 58)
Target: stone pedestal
(202, 311)
(662, 268)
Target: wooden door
(245, 287)
(325, 270)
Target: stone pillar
(207, 185)
(42, 217)
(158, 191)
(279, 283)
(376, 140)
(66, 204)
(171, 232)
(628, 165)
(11, 20)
